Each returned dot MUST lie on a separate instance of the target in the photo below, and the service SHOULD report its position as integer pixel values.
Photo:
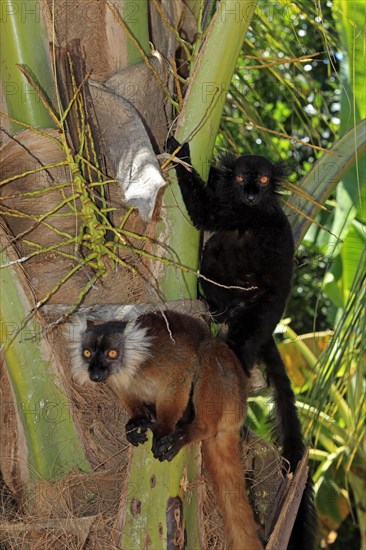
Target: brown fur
(183, 361)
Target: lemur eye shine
(112, 354)
(264, 180)
(239, 179)
(87, 353)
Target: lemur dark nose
(96, 376)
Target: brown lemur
(184, 385)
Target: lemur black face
(252, 174)
(102, 350)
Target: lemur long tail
(289, 436)
(221, 455)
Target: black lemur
(251, 247)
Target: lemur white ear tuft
(73, 333)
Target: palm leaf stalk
(24, 39)
(52, 447)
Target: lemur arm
(198, 197)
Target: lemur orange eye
(264, 180)
(239, 179)
(87, 353)
(112, 354)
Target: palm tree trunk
(50, 442)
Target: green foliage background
(301, 73)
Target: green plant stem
(52, 443)
(135, 16)
(24, 39)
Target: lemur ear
(282, 169)
(280, 172)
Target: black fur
(251, 247)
